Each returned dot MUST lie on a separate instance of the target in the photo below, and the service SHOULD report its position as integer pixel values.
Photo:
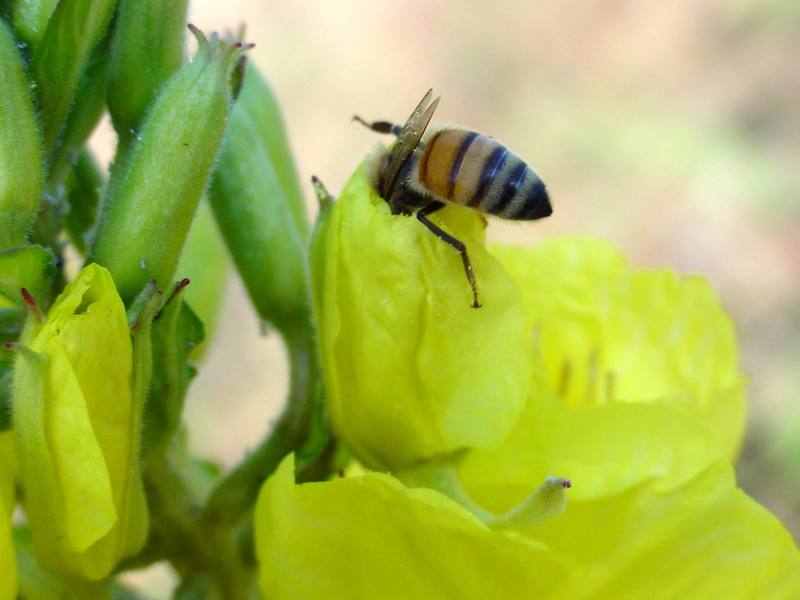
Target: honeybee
(422, 172)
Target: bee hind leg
(379, 126)
(422, 216)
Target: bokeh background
(670, 128)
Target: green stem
(231, 500)
(194, 551)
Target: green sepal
(37, 583)
(86, 186)
(6, 378)
(176, 332)
(21, 173)
(72, 33)
(84, 116)
(146, 50)
(205, 263)
(31, 267)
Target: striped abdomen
(474, 170)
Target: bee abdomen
(474, 170)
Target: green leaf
(72, 33)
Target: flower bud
(72, 32)
(30, 18)
(21, 177)
(29, 267)
(77, 424)
(152, 197)
(411, 369)
(260, 211)
(146, 51)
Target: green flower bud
(411, 369)
(30, 18)
(8, 562)
(21, 177)
(146, 51)
(77, 424)
(73, 31)
(260, 211)
(152, 197)
(30, 267)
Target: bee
(426, 169)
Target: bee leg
(422, 216)
(380, 126)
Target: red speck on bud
(10, 346)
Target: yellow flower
(78, 427)
(637, 378)
(609, 333)
(632, 391)
(411, 369)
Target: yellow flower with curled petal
(411, 369)
(78, 426)
(368, 537)
(635, 395)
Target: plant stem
(231, 500)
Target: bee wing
(408, 139)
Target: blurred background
(670, 128)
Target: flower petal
(369, 537)
(610, 333)
(412, 370)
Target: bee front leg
(380, 126)
(422, 216)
